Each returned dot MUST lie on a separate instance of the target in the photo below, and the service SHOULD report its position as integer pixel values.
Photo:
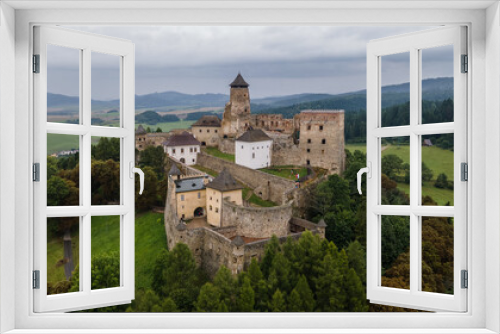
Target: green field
(213, 151)
(57, 143)
(150, 239)
(287, 172)
(354, 147)
(168, 126)
(437, 159)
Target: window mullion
(85, 166)
(414, 169)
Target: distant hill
(433, 90)
(438, 89)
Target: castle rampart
(267, 186)
(255, 222)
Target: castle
(312, 138)
(211, 218)
(210, 214)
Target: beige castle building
(223, 187)
(207, 130)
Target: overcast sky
(274, 60)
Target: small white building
(253, 149)
(182, 147)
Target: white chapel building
(253, 149)
(182, 147)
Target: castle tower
(236, 117)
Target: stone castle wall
(227, 145)
(265, 185)
(273, 122)
(258, 222)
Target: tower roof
(174, 170)
(208, 120)
(322, 223)
(254, 136)
(238, 241)
(239, 82)
(140, 130)
(224, 182)
(182, 139)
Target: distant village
(210, 213)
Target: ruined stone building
(242, 232)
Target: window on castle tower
(321, 128)
(323, 141)
(309, 141)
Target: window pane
(62, 255)
(63, 170)
(395, 167)
(105, 252)
(105, 89)
(396, 252)
(437, 169)
(105, 171)
(437, 84)
(63, 84)
(395, 104)
(437, 254)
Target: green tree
(392, 165)
(441, 181)
(357, 259)
(271, 249)
(355, 291)
(246, 297)
(57, 191)
(301, 298)
(329, 296)
(105, 181)
(278, 303)
(226, 284)
(149, 196)
(427, 173)
(154, 157)
(148, 301)
(208, 299)
(180, 279)
(106, 148)
(158, 130)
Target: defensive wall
(266, 186)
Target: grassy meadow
(213, 151)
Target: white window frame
(413, 44)
(86, 44)
(484, 49)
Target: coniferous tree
(355, 291)
(305, 300)
(226, 284)
(208, 299)
(271, 249)
(328, 286)
(246, 297)
(278, 303)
